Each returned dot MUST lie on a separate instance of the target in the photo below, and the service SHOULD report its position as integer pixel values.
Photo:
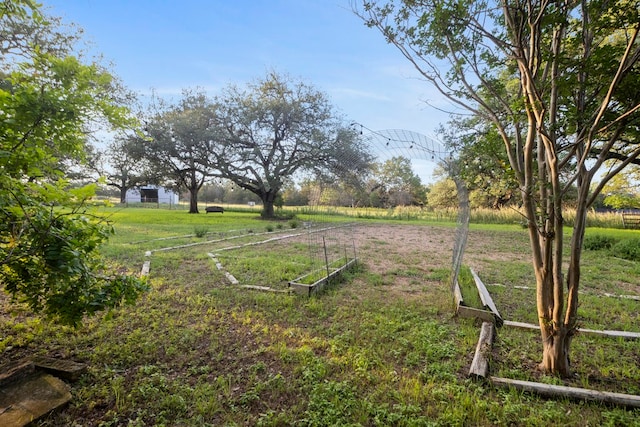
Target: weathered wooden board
(308, 289)
(24, 401)
(146, 266)
(457, 293)
(66, 369)
(471, 312)
(480, 364)
(615, 334)
(550, 390)
(485, 296)
(16, 371)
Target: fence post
(326, 258)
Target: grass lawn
(382, 348)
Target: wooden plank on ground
(521, 325)
(560, 391)
(480, 364)
(615, 334)
(15, 371)
(66, 369)
(265, 289)
(24, 401)
(484, 315)
(146, 266)
(486, 298)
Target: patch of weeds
(259, 367)
(468, 289)
(269, 228)
(627, 249)
(274, 418)
(596, 242)
(331, 404)
(294, 223)
(396, 415)
(614, 417)
(376, 279)
(284, 215)
(440, 275)
(200, 231)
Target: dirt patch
(385, 245)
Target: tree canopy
(395, 183)
(178, 143)
(48, 244)
(483, 163)
(123, 164)
(623, 191)
(258, 137)
(275, 128)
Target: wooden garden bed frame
(480, 365)
(308, 289)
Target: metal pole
(326, 258)
(353, 240)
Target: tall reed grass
(411, 213)
(478, 216)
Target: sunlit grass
(382, 348)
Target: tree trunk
(555, 351)
(193, 200)
(268, 199)
(267, 210)
(123, 194)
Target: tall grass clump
(627, 249)
(496, 216)
(200, 231)
(597, 242)
(603, 219)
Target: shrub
(596, 242)
(627, 249)
(269, 228)
(294, 223)
(200, 231)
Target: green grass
(381, 349)
(468, 289)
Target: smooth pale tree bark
(558, 81)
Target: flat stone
(25, 401)
(15, 371)
(65, 369)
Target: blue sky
(168, 45)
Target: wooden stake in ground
(480, 365)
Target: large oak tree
(179, 138)
(559, 81)
(275, 128)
